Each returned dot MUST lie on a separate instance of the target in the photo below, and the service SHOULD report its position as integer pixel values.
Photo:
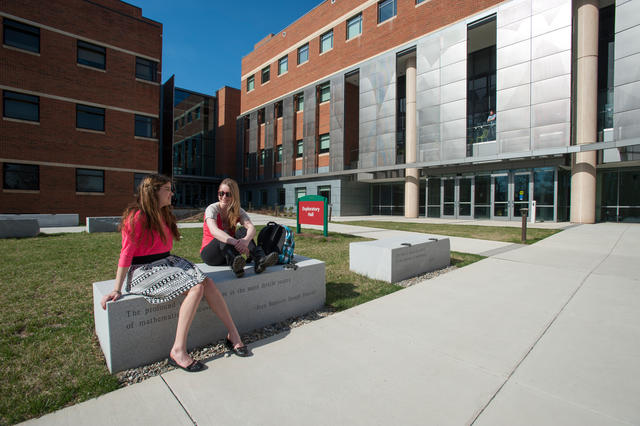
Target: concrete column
(411, 180)
(583, 170)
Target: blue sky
(205, 40)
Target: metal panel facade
(288, 115)
(309, 131)
(336, 117)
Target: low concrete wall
(133, 332)
(47, 220)
(103, 224)
(19, 228)
(399, 258)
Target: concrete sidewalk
(543, 334)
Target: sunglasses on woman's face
(223, 193)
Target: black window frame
(10, 97)
(147, 122)
(349, 21)
(304, 48)
(321, 88)
(83, 46)
(9, 25)
(286, 62)
(299, 102)
(137, 178)
(265, 74)
(320, 149)
(251, 79)
(322, 36)
(146, 64)
(88, 111)
(26, 169)
(384, 3)
(300, 148)
(89, 173)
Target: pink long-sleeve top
(142, 242)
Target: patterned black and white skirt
(164, 279)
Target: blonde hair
(147, 204)
(233, 210)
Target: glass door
(465, 197)
(500, 197)
(449, 197)
(521, 192)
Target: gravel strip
(136, 375)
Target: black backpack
(278, 238)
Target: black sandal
(240, 351)
(194, 367)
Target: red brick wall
(410, 22)
(55, 73)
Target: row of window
(27, 37)
(324, 144)
(387, 9)
(25, 107)
(189, 116)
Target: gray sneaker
(262, 263)
(237, 266)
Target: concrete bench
(19, 228)
(133, 332)
(396, 259)
(103, 224)
(47, 220)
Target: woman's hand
(113, 296)
(242, 246)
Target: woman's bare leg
(219, 307)
(185, 317)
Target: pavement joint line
(178, 401)
(553, 320)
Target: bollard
(524, 212)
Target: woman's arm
(115, 294)
(243, 244)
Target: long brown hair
(147, 204)
(233, 210)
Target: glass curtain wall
(481, 82)
(618, 195)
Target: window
(91, 55)
(145, 126)
(387, 9)
(325, 191)
(146, 69)
(299, 148)
(301, 192)
(266, 74)
(176, 125)
(299, 102)
(21, 106)
(88, 117)
(197, 113)
(251, 84)
(189, 117)
(279, 158)
(303, 54)
(89, 180)
(283, 65)
(325, 141)
(261, 155)
(137, 178)
(326, 41)
(22, 36)
(354, 26)
(21, 176)
(419, 1)
(182, 121)
(324, 92)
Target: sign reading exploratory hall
(312, 210)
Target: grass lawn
(49, 355)
(495, 233)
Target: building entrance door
(500, 197)
(457, 197)
(521, 193)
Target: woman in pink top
(223, 243)
(147, 268)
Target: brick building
(80, 84)
(453, 109)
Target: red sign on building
(311, 212)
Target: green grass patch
(507, 234)
(50, 356)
